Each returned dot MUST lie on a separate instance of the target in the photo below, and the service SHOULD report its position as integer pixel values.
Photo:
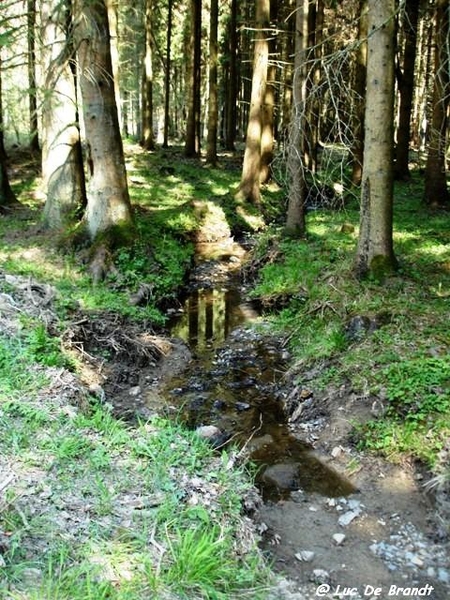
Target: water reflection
(209, 315)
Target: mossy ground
(66, 458)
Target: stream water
(234, 382)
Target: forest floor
(388, 538)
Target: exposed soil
(393, 535)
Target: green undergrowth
(165, 191)
(401, 356)
(92, 507)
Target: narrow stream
(233, 382)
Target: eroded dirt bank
(383, 537)
(385, 532)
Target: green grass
(164, 186)
(311, 294)
(102, 509)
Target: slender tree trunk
(287, 51)
(7, 196)
(406, 89)
(147, 140)
(249, 188)
(436, 191)
(192, 146)
(375, 255)
(62, 167)
(213, 104)
(359, 88)
(113, 18)
(295, 221)
(167, 76)
(232, 91)
(108, 211)
(268, 114)
(32, 95)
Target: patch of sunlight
(38, 262)
(116, 562)
(434, 250)
(256, 222)
(320, 228)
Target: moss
(381, 266)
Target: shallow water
(233, 382)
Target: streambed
(235, 379)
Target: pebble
(348, 517)
(207, 431)
(320, 575)
(338, 538)
(305, 556)
(408, 548)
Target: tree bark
(436, 191)
(62, 166)
(359, 88)
(249, 188)
(268, 113)
(7, 196)
(406, 89)
(213, 104)
(32, 94)
(108, 205)
(113, 19)
(148, 141)
(232, 91)
(375, 254)
(192, 146)
(167, 76)
(295, 220)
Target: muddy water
(235, 383)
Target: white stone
(305, 556)
(207, 431)
(347, 518)
(337, 451)
(416, 560)
(338, 538)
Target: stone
(282, 475)
(338, 538)
(242, 406)
(207, 431)
(337, 451)
(348, 517)
(320, 575)
(305, 556)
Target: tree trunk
(113, 19)
(375, 255)
(108, 211)
(232, 91)
(167, 76)
(32, 94)
(436, 191)
(148, 141)
(249, 188)
(7, 196)
(295, 221)
(213, 105)
(192, 146)
(359, 88)
(287, 51)
(62, 166)
(406, 89)
(268, 114)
